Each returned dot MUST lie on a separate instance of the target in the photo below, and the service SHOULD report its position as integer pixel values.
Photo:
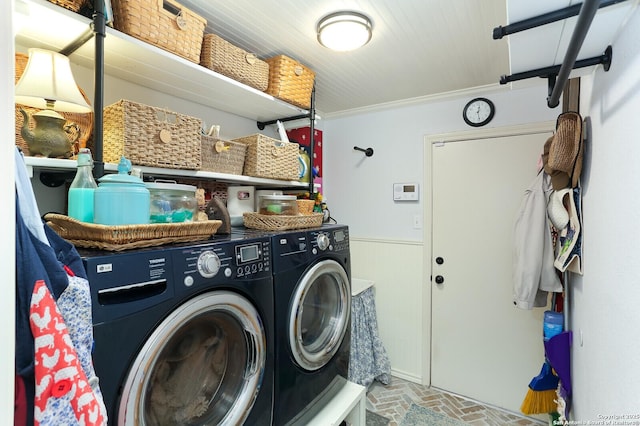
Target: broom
(541, 395)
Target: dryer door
(202, 365)
(319, 315)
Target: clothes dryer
(312, 272)
(184, 334)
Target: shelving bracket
(311, 116)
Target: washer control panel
(246, 259)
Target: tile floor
(393, 400)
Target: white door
(483, 347)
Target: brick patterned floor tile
(394, 400)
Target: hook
(368, 152)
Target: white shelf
(60, 165)
(49, 26)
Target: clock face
(478, 112)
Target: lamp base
(51, 137)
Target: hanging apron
(54, 328)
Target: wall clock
(478, 112)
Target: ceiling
(419, 47)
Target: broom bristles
(539, 402)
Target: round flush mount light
(344, 31)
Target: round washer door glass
(319, 314)
(202, 365)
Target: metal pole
(98, 86)
(547, 72)
(312, 123)
(546, 18)
(587, 13)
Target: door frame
(427, 219)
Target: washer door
(203, 365)
(319, 314)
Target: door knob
(439, 260)
(439, 279)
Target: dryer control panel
(329, 240)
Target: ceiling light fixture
(344, 31)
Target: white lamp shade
(344, 31)
(48, 77)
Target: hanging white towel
(27, 200)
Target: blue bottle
(553, 324)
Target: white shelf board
(60, 165)
(52, 27)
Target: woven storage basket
(84, 121)
(164, 23)
(268, 222)
(150, 136)
(305, 207)
(222, 156)
(223, 57)
(290, 81)
(270, 158)
(123, 237)
(74, 5)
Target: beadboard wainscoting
(403, 299)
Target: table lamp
(48, 84)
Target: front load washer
(311, 271)
(184, 333)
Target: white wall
(605, 309)
(7, 192)
(387, 248)
(358, 189)
(371, 260)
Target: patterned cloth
(368, 360)
(54, 334)
(62, 393)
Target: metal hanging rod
(263, 124)
(558, 75)
(367, 151)
(587, 12)
(552, 71)
(546, 18)
(79, 42)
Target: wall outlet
(417, 221)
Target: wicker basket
(268, 222)
(150, 136)
(290, 81)
(270, 158)
(222, 156)
(223, 57)
(74, 5)
(123, 237)
(305, 207)
(83, 120)
(164, 23)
